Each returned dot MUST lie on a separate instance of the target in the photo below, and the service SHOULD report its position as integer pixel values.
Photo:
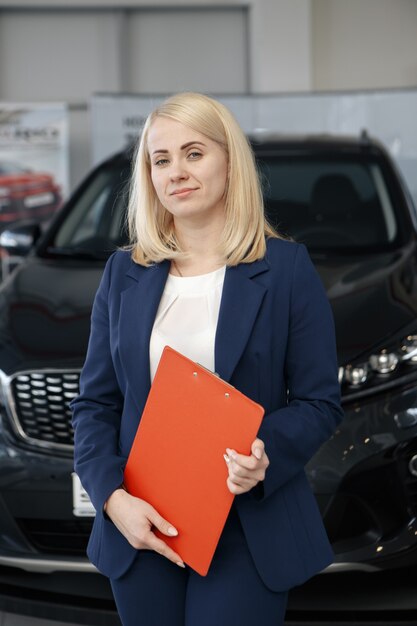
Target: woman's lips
(183, 192)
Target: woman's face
(188, 170)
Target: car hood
(45, 306)
(372, 296)
(45, 309)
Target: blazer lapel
(241, 299)
(139, 305)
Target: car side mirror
(19, 239)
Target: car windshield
(327, 203)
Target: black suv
(342, 197)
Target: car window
(329, 202)
(96, 220)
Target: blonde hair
(151, 227)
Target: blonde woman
(207, 275)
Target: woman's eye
(161, 162)
(194, 154)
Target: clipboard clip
(216, 374)
(207, 370)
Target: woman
(207, 275)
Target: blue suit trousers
(156, 592)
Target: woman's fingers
(161, 524)
(166, 528)
(135, 518)
(243, 482)
(158, 545)
(238, 483)
(245, 471)
(236, 488)
(246, 481)
(258, 448)
(250, 462)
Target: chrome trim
(412, 465)
(348, 397)
(47, 566)
(5, 382)
(349, 567)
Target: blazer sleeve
(293, 434)
(98, 407)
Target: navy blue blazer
(275, 342)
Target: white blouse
(187, 316)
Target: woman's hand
(246, 471)
(134, 518)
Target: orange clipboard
(176, 462)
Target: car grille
(39, 406)
(57, 536)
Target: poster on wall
(33, 161)
(117, 122)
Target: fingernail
(226, 458)
(258, 453)
(172, 531)
(180, 564)
(231, 453)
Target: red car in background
(26, 194)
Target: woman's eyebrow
(183, 147)
(192, 143)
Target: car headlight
(384, 362)
(384, 367)
(355, 374)
(409, 349)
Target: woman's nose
(177, 172)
